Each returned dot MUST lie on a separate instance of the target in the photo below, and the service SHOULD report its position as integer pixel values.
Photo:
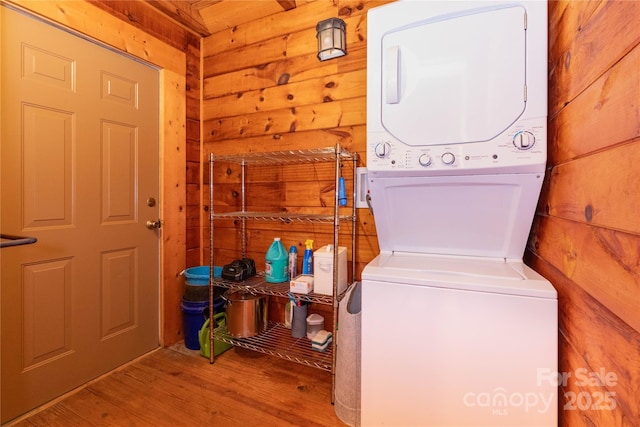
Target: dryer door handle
(393, 73)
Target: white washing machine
(456, 329)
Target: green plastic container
(219, 347)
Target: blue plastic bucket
(199, 276)
(194, 317)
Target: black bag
(239, 270)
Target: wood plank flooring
(178, 387)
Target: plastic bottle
(293, 262)
(288, 315)
(307, 261)
(342, 193)
(276, 263)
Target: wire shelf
(258, 286)
(277, 341)
(286, 157)
(283, 217)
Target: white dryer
(456, 329)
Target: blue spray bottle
(342, 193)
(307, 261)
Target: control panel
(521, 145)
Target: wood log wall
(265, 90)
(586, 234)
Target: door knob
(152, 225)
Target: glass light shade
(332, 40)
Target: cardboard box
(302, 284)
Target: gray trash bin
(347, 398)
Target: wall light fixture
(332, 39)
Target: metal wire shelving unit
(277, 340)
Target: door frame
(88, 21)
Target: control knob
(524, 140)
(448, 158)
(382, 149)
(424, 160)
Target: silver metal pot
(246, 313)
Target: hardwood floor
(178, 387)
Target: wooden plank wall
(193, 144)
(265, 90)
(586, 233)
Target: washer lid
(461, 273)
(454, 78)
(476, 215)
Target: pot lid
(241, 295)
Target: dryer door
(454, 78)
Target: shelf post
(212, 308)
(336, 243)
(244, 210)
(354, 222)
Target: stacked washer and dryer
(456, 329)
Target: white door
(79, 172)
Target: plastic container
(219, 347)
(299, 321)
(323, 270)
(195, 293)
(307, 261)
(199, 276)
(194, 315)
(277, 263)
(315, 323)
(193, 319)
(288, 314)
